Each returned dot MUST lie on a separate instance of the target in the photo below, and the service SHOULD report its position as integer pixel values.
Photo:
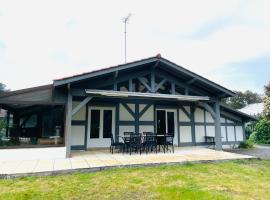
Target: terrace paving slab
(98, 159)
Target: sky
(226, 41)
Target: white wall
(185, 134)
(32, 153)
(239, 133)
(210, 131)
(208, 117)
(148, 114)
(77, 135)
(182, 116)
(146, 128)
(199, 134)
(199, 115)
(230, 132)
(80, 115)
(123, 129)
(124, 115)
(223, 133)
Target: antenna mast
(125, 20)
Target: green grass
(227, 180)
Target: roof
(253, 109)
(123, 94)
(79, 77)
(238, 113)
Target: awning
(123, 94)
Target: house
(152, 94)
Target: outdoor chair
(115, 145)
(149, 141)
(169, 142)
(135, 143)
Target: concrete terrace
(95, 160)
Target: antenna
(125, 20)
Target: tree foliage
(242, 99)
(2, 87)
(262, 132)
(266, 102)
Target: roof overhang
(140, 95)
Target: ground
(243, 179)
(260, 151)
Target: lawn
(227, 180)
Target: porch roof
(124, 94)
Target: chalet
(153, 94)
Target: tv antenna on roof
(125, 20)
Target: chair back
(135, 139)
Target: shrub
(246, 145)
(262, 132)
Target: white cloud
(50, 39)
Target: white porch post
(217, 126)
(68, 122)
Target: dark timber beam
(130, 85)
(191, 81)
(153, 82)
(145, 84)
(173, 88)
(81, 104)
(159, 85)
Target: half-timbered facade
(152, 94)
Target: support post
(68, 122)
(130, 85)
(218, 127)
(153, 82)
(7, 127)
(192, 119)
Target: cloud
(50, 39)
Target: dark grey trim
(178, 129)
(78, 122)
(86, 126)
(145, 84)
(184, 123)
(77, 147)
(185, 144)
(185, 111)
(126, 123)
(137, 110)
(146, 123)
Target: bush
(246, 145)
(262, 132)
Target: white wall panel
(199, 115)
(146, 128)
(210, 131)
(185, 134)
(123, 129)
(223, 133)
(208, 117)
(199, 134)
(77, 135)
(80, 115)
(239, 133)
(230, 132)
(124, 115)
(183, 117)
(148, 115)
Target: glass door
(101, 125)
(166, 122)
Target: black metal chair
(149, 141)
(135, 143)
(126, 140)
(115, 145)
(169, 137)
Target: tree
(2, 87)
(266, 102)
(242, 99)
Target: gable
(136, 76)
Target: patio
(99, 159)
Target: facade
(152, 94)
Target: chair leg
(112, 150)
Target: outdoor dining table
(160, 139)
